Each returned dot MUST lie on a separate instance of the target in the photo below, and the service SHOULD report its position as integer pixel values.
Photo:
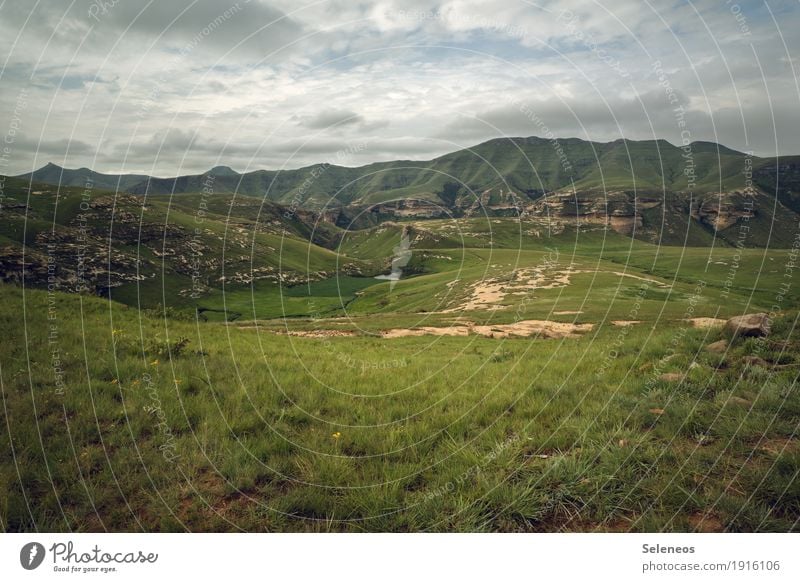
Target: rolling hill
(156, 251)
(150, 241)
(529, 166)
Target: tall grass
(173, 424)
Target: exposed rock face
(491, 202)
(66, 263)
(12, 265)
(118, 240)
(722, 210)
(751, 325)
(616, 209)
(655, 216)
(358, 217)
(411, 209)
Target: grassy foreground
(115, 419)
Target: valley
(513, 360)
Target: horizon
(223, 165)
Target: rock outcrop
(722, 210)
(750, 325)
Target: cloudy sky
(177, 87)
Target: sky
(169, 88)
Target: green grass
(233, 429)
(438, 279)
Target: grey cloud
(331, 117)
(578, 117)
(62, 151)
(750, 127)
(245, 27)
(56, 147)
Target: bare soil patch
(706, 523)
(487, 294)
(527, 328)
(705, 322)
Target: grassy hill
(529, 166)
(157, 251)
(240, 257)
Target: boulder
(751, 325)
(717, 347)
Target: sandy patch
(485, 295)
(625, 322)
(304, 333)
(320, 333)
(489, 293)
(567, 312)
(706, 322)
(527, 328)
(419, 331)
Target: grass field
(608, 272)
(123, 420)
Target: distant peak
(222, 171)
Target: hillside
(528, 166)
(649, 190)
(156, 251)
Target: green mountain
(528, 166)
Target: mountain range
(158, 240)
(529, 167)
